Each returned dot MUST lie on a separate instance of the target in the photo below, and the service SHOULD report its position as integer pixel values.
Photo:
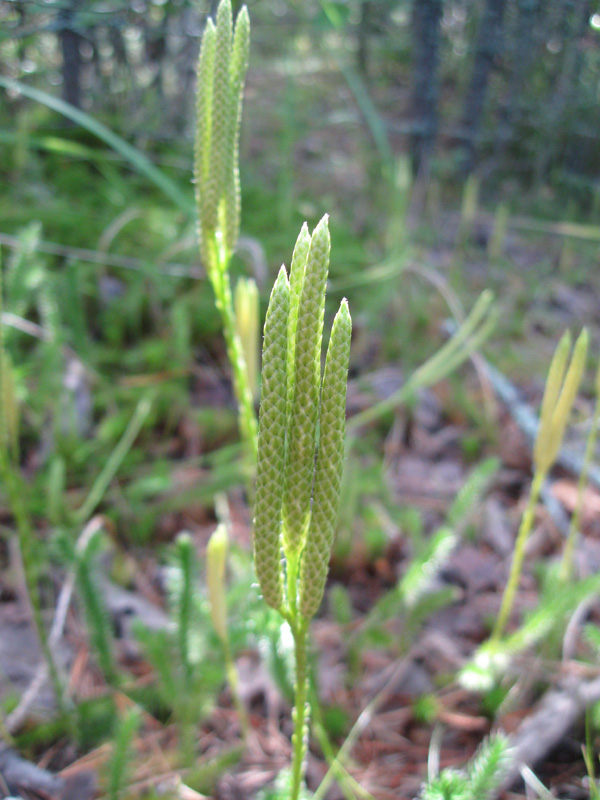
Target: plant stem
(518, 556)
(219, 277)
(234, 686)
(301, 712)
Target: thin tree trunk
(426, 17)
(71, 56)
(487, 50)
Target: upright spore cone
(330, 462)
(271, 445)
(221, 76)
(305, 391)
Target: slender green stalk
(241, 386)
(561, 388)
(216, 558)
(234, 685)
(301, 712)
(518, 557)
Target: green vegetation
(253, 591)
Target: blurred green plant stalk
(221, 76)
(561, 389)
(216, 560)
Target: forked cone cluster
(301, 432)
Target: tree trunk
(528, 34)
(71, 56)
(426, 16)
(487, 50)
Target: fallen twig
(546, 727)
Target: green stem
(234, 685)
(518, 557)
(301, 712)
(219, 277)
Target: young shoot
(559, 395)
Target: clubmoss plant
(479, 780)
(125, 733)
(97, 617)
(559, 395)
(300, 454)
(221, 76)
(216, 561)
